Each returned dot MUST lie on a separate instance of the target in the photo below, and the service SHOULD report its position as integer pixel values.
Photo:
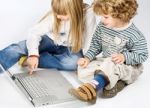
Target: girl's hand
(118, 58)
(83, 62)
(32, 63)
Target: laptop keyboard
(35, 86)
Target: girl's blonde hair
(124, 10)
(73, 8)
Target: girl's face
(63, 17)
(111, 22)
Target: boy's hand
(118, 58)
(32, 63)
(83, 62)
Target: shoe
(21, 60)
(85, 92)
(113, 92)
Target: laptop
(44, 87)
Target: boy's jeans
(51, 55)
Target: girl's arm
(36, 33)
(90, 26)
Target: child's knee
(70, 63)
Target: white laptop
(44, 87)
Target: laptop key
(35, 86)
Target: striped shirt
(128, 41)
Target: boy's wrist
(87, 58)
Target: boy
(123, 48)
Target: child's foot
(113, 92)
(85, 92)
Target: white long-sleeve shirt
(45, 28)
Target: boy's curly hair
(124, 10)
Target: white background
(17, 16)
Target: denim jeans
(51, 55)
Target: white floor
(135, 95)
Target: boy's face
(110, 22)
(63, 17)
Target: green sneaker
(21, 61)
(113, 92)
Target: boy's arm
(138, 53)
(95, 46)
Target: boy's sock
(99, 82)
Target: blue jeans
(51, 55)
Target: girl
(56, 41)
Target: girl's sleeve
(90, 26)
(35, 35)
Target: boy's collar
(123, 28)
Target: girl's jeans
(51, 55)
